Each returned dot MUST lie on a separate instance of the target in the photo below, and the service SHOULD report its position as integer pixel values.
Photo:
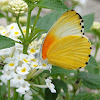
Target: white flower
(12, 26)
(44, 65)
(31, 51)
(6, 52)
(11, 65)
(24, 87)
(24, 70)
(4, 32)
(35, 63)
(28, 96)
(24, 29)
(24, 58)
(18, 47)
(50, 85)
(17, 80)
(15, 33)
(7, 60)
(7, 76)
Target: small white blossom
(17, 80)
(24, 58)
(11, 65)
(7, 76)
(24, 70)
(24, 87)
(50, 85)
(12, 26)
(28, 96)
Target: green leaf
(47, 21)
(87, 96)
(92, 66)
(52, 4)
(6, 42)
(90, 80)
(58, 70)
(88, 21)
(59, 84)
(1, 15)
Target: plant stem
(8, 89)
(37, 73)
(22, 98)
(25, 47)
(28, 22)
(7, 17)
(29, 76)
(15, 95)
(31, 35)
(67, 96)
(17, 19)
(76, 85)
(73, 95)
(96, 53)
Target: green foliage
(88, 21)
(6, 42)
(1, 15)
(92, 66)
(90, 80)
(58, 70)
(87, 96)
(3, 92)
(59, 84)
(52, 4)
(47, 21)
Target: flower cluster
(19, 67)
(18, 7)
(4, 5)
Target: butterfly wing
(70, 23)
(70, 52)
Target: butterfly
(65, 45)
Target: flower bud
(96, 28)
(96, 25)
(17, 7)
(4, 5)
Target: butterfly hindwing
(70, 52)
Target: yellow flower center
(25, 60)
(12, 27)
(34, 60)
(24, 31)
(16, 33)
(11, 64)
(32, 50)
(44, 65)
(34, 65)
(4, 32)
(23, 70)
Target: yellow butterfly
(66, 45)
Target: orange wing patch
(50, 38)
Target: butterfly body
(65, 44)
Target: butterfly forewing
(70, 23)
